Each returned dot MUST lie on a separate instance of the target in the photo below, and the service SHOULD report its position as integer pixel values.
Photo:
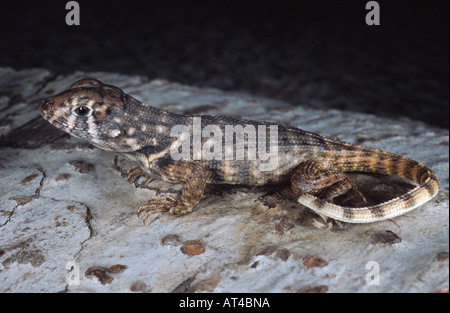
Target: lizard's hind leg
(314, 178)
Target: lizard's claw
(155, 205)
(360, 195)
(327, 223)
(134, 173)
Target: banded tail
(375, 161)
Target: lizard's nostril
(46, 105)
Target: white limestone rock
(80, 209)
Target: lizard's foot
(170, 204)
(133, 175)
(326, 222)
(155, 205)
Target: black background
(314, 53)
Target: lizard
(315, 165)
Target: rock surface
(68, 217)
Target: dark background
(319, 54)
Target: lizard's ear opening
(86, 82)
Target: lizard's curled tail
(376, 161)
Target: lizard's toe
(155, 205)
(134, 173)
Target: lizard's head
(91, 110)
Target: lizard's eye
(82, 110)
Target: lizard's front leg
(194, 177)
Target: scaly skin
(315, 165)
